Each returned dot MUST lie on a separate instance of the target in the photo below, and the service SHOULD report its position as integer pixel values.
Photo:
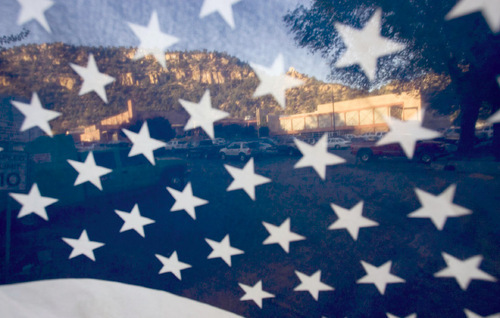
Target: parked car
(338, 143)
(373, 135)
(357, 139)
(452, 133)
(369, 136)
(425, 151)
(268, 140)
(219, 141)
(485, 133)
(288, 147)
(241, 149)
(203, 148)
(176, 144)
(267, 146)
(267, 149)
(309, 140)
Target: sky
(258, 37)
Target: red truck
(425, 151)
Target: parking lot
(387, 188)
(375, 179)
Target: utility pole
(333, 109)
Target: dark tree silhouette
(264, 132)
(464, 48)
(13, 38)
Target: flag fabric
(142, 229)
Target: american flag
(132, 232)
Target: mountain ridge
(45, 69)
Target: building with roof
(352, 116)
(108, 128)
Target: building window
(410, 114)
(312, 122)
(339, 119)
(378, 116)
(298, 123)
(397, 112)
(286, 124)
(352, 118)
(325, 121)
(366, 117)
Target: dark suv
(203, 148)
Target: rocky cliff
(45, 69)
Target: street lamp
(333, 109)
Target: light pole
(333, 109)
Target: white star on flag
(245, 178)
(172, 265)
(82, 246)
(489, 8)
(35, 115)
(33, 202)
(223, 249)
(34, 9)
(93, 80)
(185, 200)
(351, 219)
(471, 314)
(255, 293)
(274, 81)
(133, 220)
(281, 235)
(379, 276)
(406, 133)
(464, 271)
(317, 156)
(224, 7)
(143, 144)
(393, 316)
(365, 46)
(89, 171)
(153, 41)
(438, 208)
(202, 114)
(312, 284)
(495, 118)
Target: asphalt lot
(386, 186)
(351, 181)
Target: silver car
(241, 149)
(338, 143)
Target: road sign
(13, 171)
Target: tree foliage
(13, 38)
(463, 49)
